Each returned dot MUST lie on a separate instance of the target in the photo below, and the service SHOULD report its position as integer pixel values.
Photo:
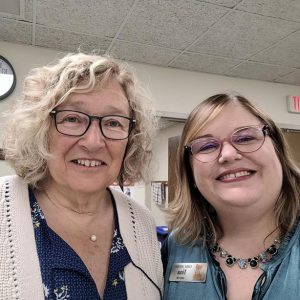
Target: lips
(88, 162)
(235, 174)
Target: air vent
(167, 119)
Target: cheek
(201, 173)
(117, 150)
(271, 162)
(59, 144)
(54, 142)
(275, 171)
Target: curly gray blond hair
(26, 140)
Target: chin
(241, 202)
(239, 198)
(87, 187)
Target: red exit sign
(293, 104)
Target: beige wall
(174, 91)
(293, 139)
(159, 167)
(5, 169)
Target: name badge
(188, 272)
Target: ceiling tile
(284, 53)
(142, 53)
(29, 10)
(69, 41)
(15, 31)
(262, 32)
(227, 3)
(204, 63)
(172, 24)
(259, 71)
(284, 9)
(292, 78)
(241, 35)
(11, 7)
(101, 18)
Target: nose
(93, 139)
(228, 153)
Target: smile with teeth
(235, 175)
(88, 163)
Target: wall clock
(7, 78)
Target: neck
(246, 234)
(244, 224)
(77, 203)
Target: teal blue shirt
(280, 278)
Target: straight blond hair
(190, 215)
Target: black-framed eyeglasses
(246, 140)
(77, 123)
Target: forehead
(110, 96)
(231, 117)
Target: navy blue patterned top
(64, 274)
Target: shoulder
(126, 204)
(12, 184)
(4, 179)
(12, 179)
(173, 247)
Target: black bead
(229, 261)
(253, 263)
(215, 248)
(272, 250)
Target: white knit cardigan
(20, 275)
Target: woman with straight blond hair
(235, 216)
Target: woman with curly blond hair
(82, 125)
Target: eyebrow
(204, 136)
(235, 129)
(80, 106)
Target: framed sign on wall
(7, 78)
(293, 104)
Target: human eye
(205, 146)
(115, 123)
(246, 136)
(112, 123)
(71, 118)
(243, 139)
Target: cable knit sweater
(20, 275)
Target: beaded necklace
(254, 262)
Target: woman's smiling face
(237, 179)
(91, 162)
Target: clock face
(7, 78)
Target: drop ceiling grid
(256, 39)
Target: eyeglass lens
(247, 139)
(77, 123)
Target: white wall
(173, 90)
